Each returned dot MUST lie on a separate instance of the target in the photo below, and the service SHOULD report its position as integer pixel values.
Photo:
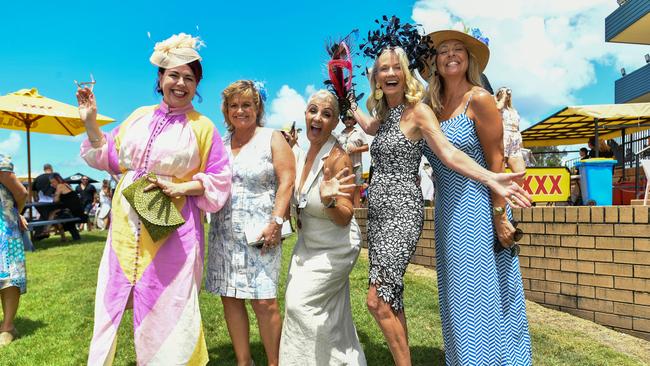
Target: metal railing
(637, 172)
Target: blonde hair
(435, 89)
(504, 98)
(329, 97)
(414, 91)
(243, 88)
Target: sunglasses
(514, 249)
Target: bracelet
(95, 140)
(498, 211)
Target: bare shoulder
(278, 141)
(422, 114)
(338, 158)
(338, 153)
(422, 110)
(276, 136)
(481, 99)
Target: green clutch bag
(156, 210)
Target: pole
(637, 176)
(28, 125)
(597, 139)
(623, 153)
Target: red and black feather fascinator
(340, 73)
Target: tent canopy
(76, 179)
(575, 125)
(26, 108)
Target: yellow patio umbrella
(27, 110)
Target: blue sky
(49, 44)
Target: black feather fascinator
(393, 33)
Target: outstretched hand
(505, 186)
(332, 187)
(87, 104)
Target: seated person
(604, 151)
(71, 204)
(41, 187)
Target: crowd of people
(90, 206)
(247, 180)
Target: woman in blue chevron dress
(480, 291)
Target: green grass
(56, 316)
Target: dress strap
(467, 104)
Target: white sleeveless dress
(318, 327)
(236, 269)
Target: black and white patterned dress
(395, 216)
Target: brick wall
(593, 262)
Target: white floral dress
(236, 269)
(512, 141)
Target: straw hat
(473, 40)
(179, 49)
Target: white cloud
(545, 50)
(287, 106)
(310, 89)
(11, 145)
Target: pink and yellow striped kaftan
(164, 276)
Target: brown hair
(602, 145)
(244, 88)
(435, 89)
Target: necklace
(239, 144)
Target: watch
(498, 211)
(278, 220)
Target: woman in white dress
(512, 142)
(318, 328)
(263, 172)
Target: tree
(547, 156)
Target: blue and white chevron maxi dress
(481, 294)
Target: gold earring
(378, 92)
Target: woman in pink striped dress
(159, 280)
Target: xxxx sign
(548, 184)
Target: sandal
(8, 337)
